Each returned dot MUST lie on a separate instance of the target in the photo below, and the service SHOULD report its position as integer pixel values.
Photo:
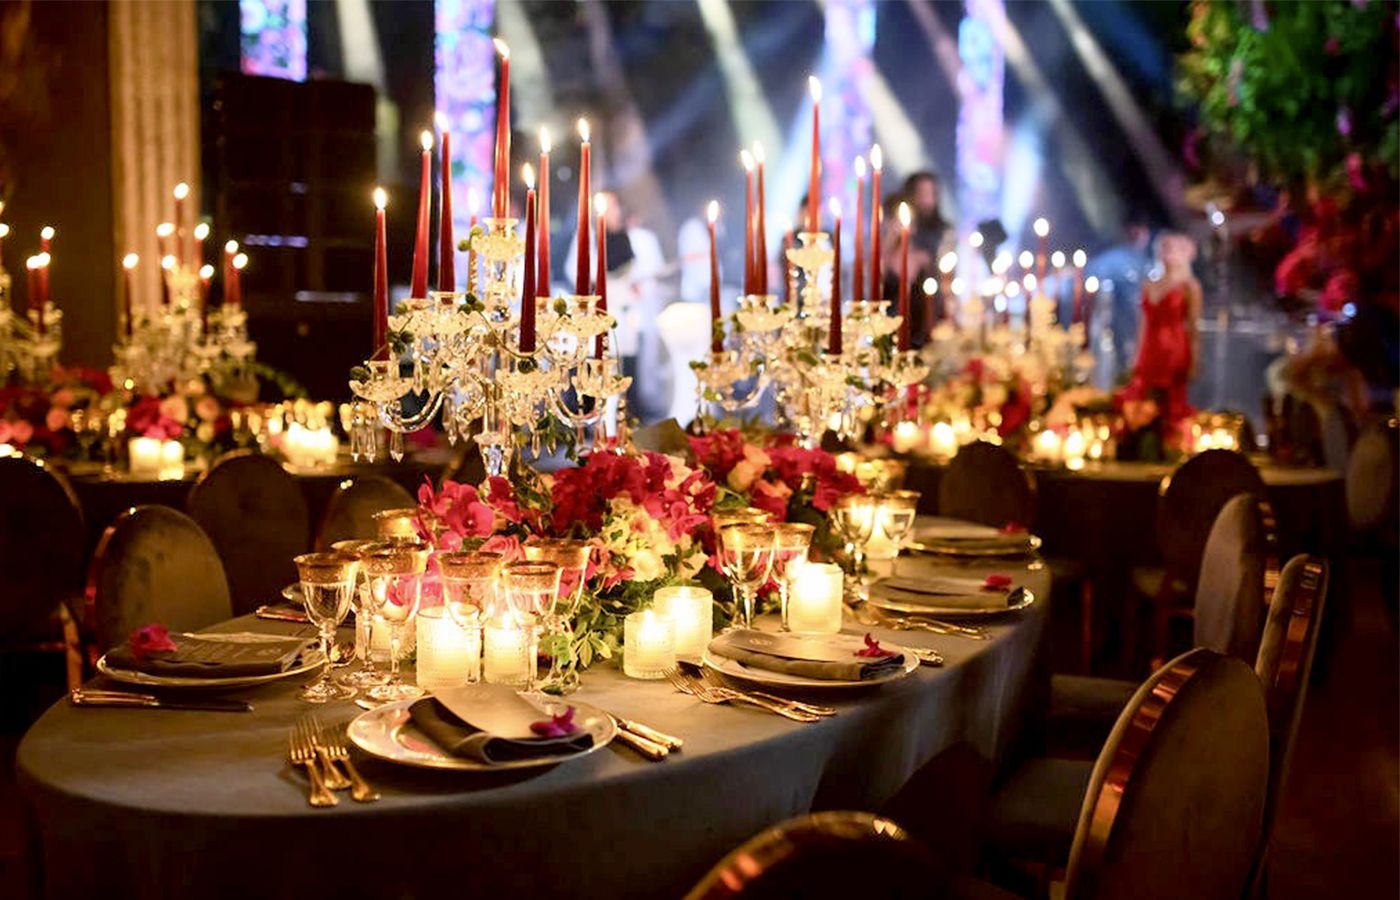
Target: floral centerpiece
(998, 393)
(52, 419)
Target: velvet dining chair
(256, 516)
(986, 483)
(41, 557)
(154, 565)
(350, 510)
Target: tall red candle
(1042, 238)
(128, 264)
(834, 341)
(4, 233)
(230, 248)
(760, 235)
(783, 264)
(905, 324)
(814, 187)
(447, 246)
(182, 190)
(858, 269)
(544, 273)
(602, 276)
(585, 172)
(201, 231)
(877, 162)
(716, 319)
(527, 294)
(166, 264)
(381, 273)
(750, 283)
(46, 235)
(163, 232)
(206, 272)
(500, 196)
(1076, 309)
(419, 287)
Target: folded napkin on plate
(491, 723)
(945, 592)
(1012, 542)
(232, 655)
(808, 656)
(955, 531)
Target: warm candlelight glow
(501, 47)
(1026, 259)
(974, 240)
(958, 286)
(46, 233)
(905, 216)
(545, 144)
(130, 260)
(600, 203)
(201, 231)
(167, 261)
(712, 211)
(758, 152)
(182, 191)
(165, 229)
(206, 271)
(930, 286)
(835, 206)
(426, 140)
(948, 263)
(877, 159)
(1013, 289)
(232, 246)
(860, 166)
(814, 87)
(32, 263)
(583, 130)
(527, 175)
(1057, 259)
(4, 230)
(1041, 227)
(1001, 263)
(746, 158)
(381, 200)
(1080, 258)
(439, 120)
(1091, 284)
(1029, 281)
(240, 261)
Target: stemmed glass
(557, 632)
(367, 675)
(469, 585)
(746, 553)
(327, 581)
(791, 541)
(395, 573)
(531, 590)
(897, 510)
(854, 516)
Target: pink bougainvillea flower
(508, 545)
(997, 582)
(561, 725)
(21, 432)
(149, 640)
(872, 649)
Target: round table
(134, 802)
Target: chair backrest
(154, 565)
(1373, 479)
(1189, 500)
(1175, 804)
(986, 483)
(1284, 664)
(466, 466)
(256, 516)
(1230, 595)
(828, 854)
(41, 543)
(350, 510)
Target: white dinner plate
(387, 732)
(310, 661)
(932, 608)
(735, 669)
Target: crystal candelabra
(29, 344)
(785, 346)
(182, 339)
(460, 354)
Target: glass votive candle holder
(508, 651)
(691, 611)
(449, 653)
(815, 604)
(648, 645)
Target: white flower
(647, 565)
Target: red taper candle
(46, 235)
(585, 198)
(128, 265)
(230, 250)
(760, 235)
(877, 162)
(381, 273)
(182, 190)
(447, 245)
(419, 287)
(527, 294)
(500, 195)
(814, 186)
(716, 319)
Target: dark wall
(62, 170)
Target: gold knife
(126, 699)
(670, 742)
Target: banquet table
(159, 803)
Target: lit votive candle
(942, 440)
(508, 653)
(906, 437)
(144, 455)
(448, 654)
(815, 604)
(172, 460)
(1047, 446)
(648, 645)
(691, 611)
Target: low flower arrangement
(49, 419)
(992, 392)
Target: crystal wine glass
(469, 585)
(367, 675)
(897, 510)
(854, 516)
(395, 573)
(557, 632)
(531, 592)
(791, 542)
(746, 552)
(327, 581)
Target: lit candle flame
(746, 158)
(545, 144)
(712, 211)
(1080, 258)
(4, 230)
(948, 263)
(1091, 284)
(167, 261)
(1041, 227)
(501, 47)
(835, 206)
(860, 166)
(440, 120)
(426, 140)
(381, 200)
(583, 130)
(814, 87)
(1057, 259)
(527, 175)
(758, 152)
(1026, 259)
(905, 216)
(600, 203)
(32, 263)
(165, 229)
(1029, 282)
(47, 232)
(206, 271)
(930, 286)
(130, 260)
(240, 261)
(974, 240)
(201, 231)
(877, 158)
(182, 191)
(231, 247)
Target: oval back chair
(986, 483)
(350, 510)
(154, 565)
(828, 854)
(255, 514)
(1231, 596)
(1373, 480)
(1175, 804)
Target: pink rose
(63, 397)
(21, 432)
(206, 408)
(176, 408)
(56, 419)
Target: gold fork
(337, 750)
(707, 693)
(300, 752)
(712, 678)
(329, 773)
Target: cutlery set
(325, 755)
(868, 615)
(707, 688)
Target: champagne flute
(395, 572)
(746, 552)
(791, 543)
(854, 516)
(327, 581)
(897, 512)
(367, 675)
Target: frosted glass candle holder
(508, 652)
(448, 654)
(691, 611)
(144, 455)
(648, 645)
(815, 604)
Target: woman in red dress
(1168, 344)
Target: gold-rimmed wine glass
(854, 516)
(556, 648)
(327, 581)
(397, 524)
(791, 542)
(897, 510)
(531, 591)
(395, 573)
(746, 553)
(367, 675)
(470, 585)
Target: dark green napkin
(490, 723)
(828, 658)
(234, 655)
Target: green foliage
(1285, 94)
